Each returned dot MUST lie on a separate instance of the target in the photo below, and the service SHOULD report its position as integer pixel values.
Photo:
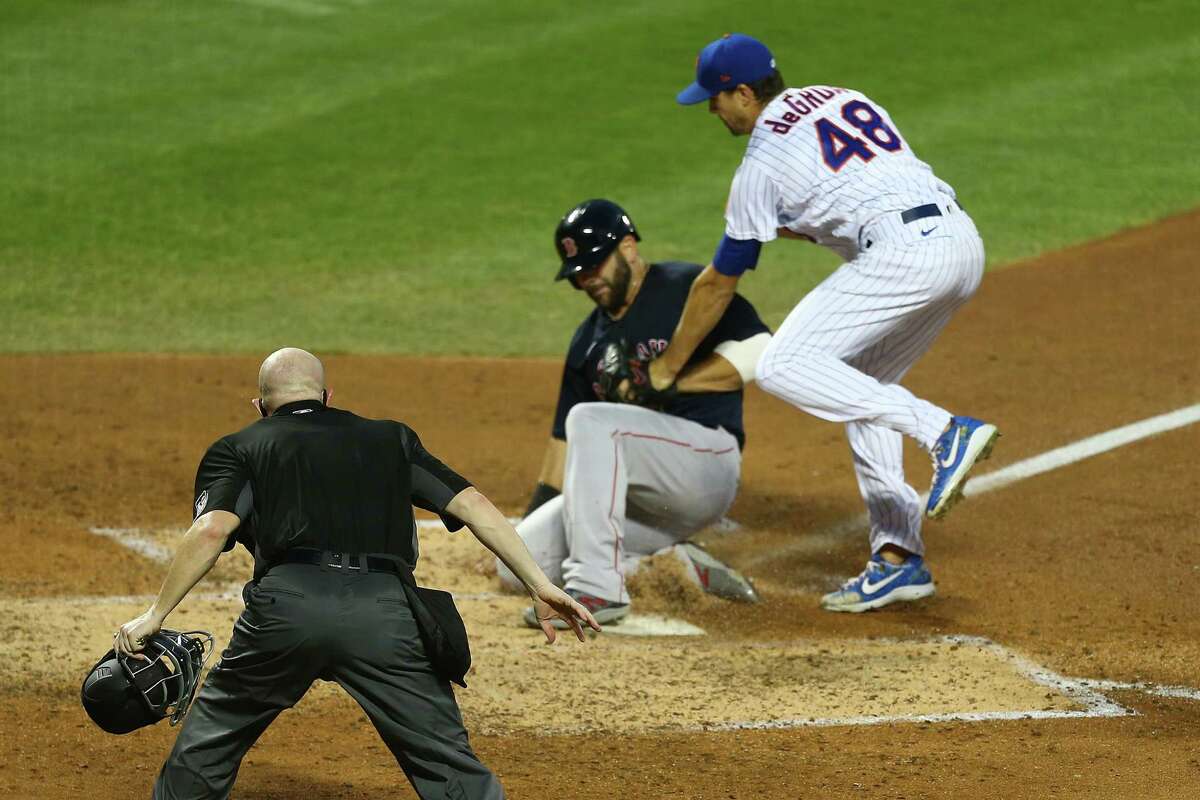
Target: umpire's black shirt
(313, 476)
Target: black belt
(349, 561)
(921, 212)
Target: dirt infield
(1046, 588)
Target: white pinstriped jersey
(823, 162)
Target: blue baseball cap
(734, 58)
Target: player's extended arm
(728, 369)
(708, 298)
(493, 530)
(199, 550)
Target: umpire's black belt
(927, 210)
(347, 561)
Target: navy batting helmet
(122, 693)
(588, 233)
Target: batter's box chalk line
(140, 540)
(1084, 692)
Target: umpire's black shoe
(605, 611)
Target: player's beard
(618, 287)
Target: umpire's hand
(549, 602)
(498, 535)
(132, 636)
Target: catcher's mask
(123, 693)
(588, 233)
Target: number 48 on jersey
(839, 145)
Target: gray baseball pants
(304, 623)
(636, 482)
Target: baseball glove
(625, 378)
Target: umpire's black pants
(306, 622)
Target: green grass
(386, 176)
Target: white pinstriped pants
(841, 352)
(636, 482)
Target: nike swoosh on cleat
(871, 588)
(953, 449)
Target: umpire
(329, 496)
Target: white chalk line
(1083, 691)
(1094, 703)
(136, 539)
(1027, 468)
(1084, 448)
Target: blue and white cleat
(965, 442)
(880, 584)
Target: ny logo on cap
(569, 247)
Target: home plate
(653, 625)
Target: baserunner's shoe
(713, 575)
(881, 584)
(606, 612)
(963, 444)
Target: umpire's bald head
(288, 375)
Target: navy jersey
(648, 325)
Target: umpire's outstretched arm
(498, 535)
(199, 550)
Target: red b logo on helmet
(569, 247)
